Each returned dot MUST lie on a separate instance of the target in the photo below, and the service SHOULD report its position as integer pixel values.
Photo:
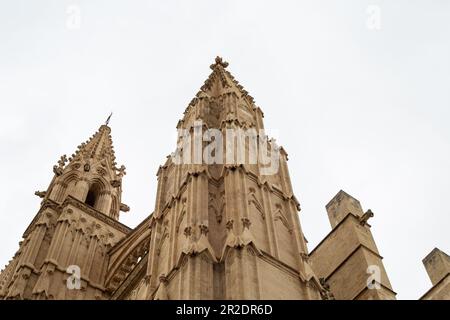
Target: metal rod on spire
(109, 118)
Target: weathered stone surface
(220, 230)
(437, 264)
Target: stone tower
(223, 229)
(63, 254)
(348, 254)
(437, 264)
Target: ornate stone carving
(219, 62)
(229, 225)
(101, 171)
(180, 219)
(325, 292)
(116, 183)
(96, 214)
(304, 256)
(203, 229)
(117, 261)
(121, 171)
(279, 216)
(246, 223)
(216, 204)
(187, 231)
(58, 169)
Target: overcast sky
(358, 94)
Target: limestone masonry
(218, 230)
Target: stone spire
(222, 100)
(226, 79)
(90, 175)
(229, 221)
(220, 81)
(99, 147)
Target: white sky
(357, 109)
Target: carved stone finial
(62, 161)
(219, 62)
(121, 171)
(60, 167)
(304, 256)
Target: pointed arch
(70, 176)
(101, 182)
(64, 184)
(93, 195)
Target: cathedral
(225, 224)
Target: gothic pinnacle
(219, 62)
